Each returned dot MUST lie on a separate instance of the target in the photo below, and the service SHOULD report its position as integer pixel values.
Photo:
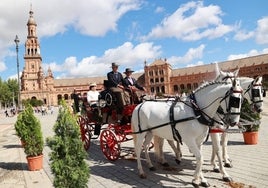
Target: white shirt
(92, 97)
(130, 80)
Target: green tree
(68, 155)
(13, 89)
(8, 92)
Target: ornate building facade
(158, 77)
(161, 78)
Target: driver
(116, 81)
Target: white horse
(159, 142)
(252, 93)
(154, 118)
(220, 123)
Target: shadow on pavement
(124, 170)
(12, 146)
(13, 165)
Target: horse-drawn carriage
(106, 122)
(161, 119)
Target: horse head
(234, 105)
(257, 94)
(227, 95)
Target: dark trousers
(121, 97)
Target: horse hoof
(195, 185)
(152, 168)
(227, 179)
(228, 165)
(178, 161)
(216, 170)
(165, 164)
(204, 184)
(143, 176)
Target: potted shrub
(20, 127)
(29, 129)
(67, 155)
(251, 121)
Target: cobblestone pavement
(250, 162)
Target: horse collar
(199, 113)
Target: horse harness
(199, 115)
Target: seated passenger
(93, 95)
(132, 85)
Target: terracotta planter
(251, 138)
(35, 163)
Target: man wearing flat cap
(132, 85)
(116, 82)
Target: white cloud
(192, 21)
(127, 55)
(197, 64)
(159, 9)
(88, 17)
(262, 31)
(2, 66)
(243, 35)
(250, 53)
(191, 55)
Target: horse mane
(206, 84)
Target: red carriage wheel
(109, 145)
(120, 133)
(85, 131)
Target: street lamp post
(18, 69)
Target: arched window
(163, 89)
(162, 79)
(66, 97)
(157, 89)
(182, 86)
(175, 88)
(189, 86)
(59, 97)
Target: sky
(82, 38)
